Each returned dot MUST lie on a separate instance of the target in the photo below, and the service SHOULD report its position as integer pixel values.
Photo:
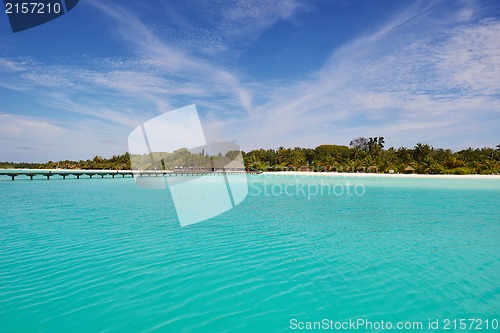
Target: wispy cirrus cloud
(175, 63)
(421, 76)
(415, 78)
(212, 28)
(160, 76)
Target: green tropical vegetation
(184, 158)
(369, 155)
(362, 155)
(117, 162)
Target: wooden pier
(48, 173)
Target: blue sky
(262, 74)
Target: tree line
(116, 162)
(368, 155)
(362, 155)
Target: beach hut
(409, 169)
(225, 164)
(235, 165)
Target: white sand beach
(366, 174)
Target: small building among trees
(409, 169)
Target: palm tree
(421, 151)
(279, 154)
(381, 141)
(429, 163)
(356, 151)
(404, 154)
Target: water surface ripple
(106, 256)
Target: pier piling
(13, 173)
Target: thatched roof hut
(409, 169)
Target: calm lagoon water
(102, 255)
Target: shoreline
(67, 172)
(382, 175)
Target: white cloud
(17, 127)
(125, 92)
(44, 140)
(214, 28)
(413, 71)
(12, 66)
(420, 76)
(470, 59)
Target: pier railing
(48, 173)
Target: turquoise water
(102, 255)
